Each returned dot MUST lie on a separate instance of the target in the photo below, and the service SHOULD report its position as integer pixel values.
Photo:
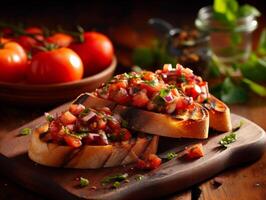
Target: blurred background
(125, 22)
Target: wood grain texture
(172, 176)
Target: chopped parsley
(25, 131)
(114, 178)
(164, 92)
(228, 139)
(83, 182)
(171, 155)
(116, 184)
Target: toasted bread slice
(190, 124)
(88, 156)
(184, 79)
(219, 113)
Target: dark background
(101, 14)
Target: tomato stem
(79, 35)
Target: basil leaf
(247, 10)
(232, 93)
(256, 88)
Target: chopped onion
(103, 137)
(168, 98)
(70, 127)
(117, 117)
(89, 116)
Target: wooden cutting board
(172, 176)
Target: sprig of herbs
(228, 139)
(114, 178)
(25, 131)
(232, 137)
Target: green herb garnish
(83, 182)
(116, 184)
(151, 83)
(114, 178)
(49, 117)
(171, 155)
(164, 92)
(25, 131)
(228, 139)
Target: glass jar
(229, 44)
(190, 49)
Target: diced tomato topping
(120, 96)
(182, 103)
(68, 118)
(154, 161)
(102, 124)
(118, 85)
(106, 110)
(140, 99)
(72, 141)
(151, 163)
(58, 136)
(125, 134)
(113, 124)
(148, 76)
(151, 88)
(195, 151)
(54, 127)
(76, 109)
(192, 91)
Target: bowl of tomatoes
(43, 70)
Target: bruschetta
(150, 105)
(87, 138)
(193, 86)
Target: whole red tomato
(60, 39)
(28, 42)
(96, 52)
(55, 66)
(13, 61)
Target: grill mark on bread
(72, 154)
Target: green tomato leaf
(232, 93)
(247, 10)
(256, 88)
(262, 43)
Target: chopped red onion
(168, 98)
(89, 116)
